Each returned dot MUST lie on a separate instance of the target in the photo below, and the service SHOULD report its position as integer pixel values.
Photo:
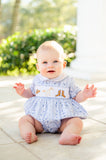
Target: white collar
(59, 78)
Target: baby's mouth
(51, 71)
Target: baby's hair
(48, 45)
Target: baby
(53, 99)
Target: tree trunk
(15, 16)
(0, 10)
(0, 20)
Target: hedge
(17, 51)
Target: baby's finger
(14, 86)
(94, 94)
(95, 90)
(87, 86)
(19, 84)
(92, 86)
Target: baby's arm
(20, 89)
(87, 92)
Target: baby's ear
(37, 66)
(64, 64)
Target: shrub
(17, 51)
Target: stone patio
(13, 147)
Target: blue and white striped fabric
(50, 109)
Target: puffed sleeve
(73, 89)
(32, 87)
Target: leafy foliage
(39, 14)
(17, 51)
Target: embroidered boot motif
(63, 94)
(37, 91)
(59, 92)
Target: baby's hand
(19, 87)
(89, 92)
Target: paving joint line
(19, 144)
(8, 135)
(29, 151)
(97, 120)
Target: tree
(15, 16)
(0, 10)
(0, 19)
(48, 13)
(36, 14)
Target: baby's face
(50, 63)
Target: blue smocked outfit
(53, 101)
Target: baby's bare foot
(71, 139)
(30, 138)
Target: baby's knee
(25, 119)
(76, 121)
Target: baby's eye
(45, 62)
(55, 61)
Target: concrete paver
(4, 139)
(15, 152)
(12, 146)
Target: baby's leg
(71, 129)
(29, 127)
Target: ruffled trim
(41, 109)
(59, 78)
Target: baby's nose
(50, 65)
